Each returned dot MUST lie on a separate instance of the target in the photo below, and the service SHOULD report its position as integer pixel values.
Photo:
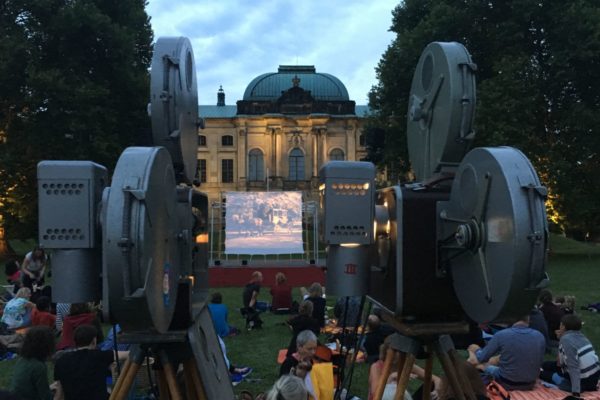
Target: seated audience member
(81, 374)
(374, 338)
(347, 316)
(318, 377)
(566, 303)
(281, 302)
(306, 346)
(288, 387)
(62, 310)
(33, 267)
(442, 390)
(40, 314)
(17, 312)
(12, 270)
(376, 370)
(521, 350)
(552, 313)
(315, 295)
(249, 299)
(30, 375)
(236, 373)
(109, 342)
(577, 369)
(301, 322)
(538, 322)
(219, 313)
(80, 314)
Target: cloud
(234, 40)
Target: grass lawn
(574, 269)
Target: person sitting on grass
(218, 313)
(301, 322)
(306, 347)
(80, 314)
(281, 302)
(81, 374)
(315, 294)
(577, 368)
(288, 387)
(40, 314)
(17, 312)
(249, 299)
(30, 375)
(521, 353)
(236, 373)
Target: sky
(236, 40)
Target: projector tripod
(165, 374)
(405, 350)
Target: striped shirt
(577, 358)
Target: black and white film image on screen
(263, 223)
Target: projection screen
(263, 223)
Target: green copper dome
(322, 87)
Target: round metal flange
(141, 257)
(441, 108)
(497, 213)
(174, 103)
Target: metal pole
(211, 238)
(316, 233)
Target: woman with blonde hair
(288, 387)
(17, 312)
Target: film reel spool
(441, 108)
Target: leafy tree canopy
(538, 89)
(73, 86)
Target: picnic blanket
(540, 392)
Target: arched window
(336, 155)
(256, 165)
(226, 140)
(296, 165)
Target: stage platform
(238, 276)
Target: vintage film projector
(466, 241)
(131, 240)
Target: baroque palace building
(288, 124)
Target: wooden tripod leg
(404, 371)
(462, 378)
(190, 389)
(128, 379)
(120, 379)
(194, 375)
(450, 374)
(390, 355)
(163, 388)
(428, 376)
(171, 381)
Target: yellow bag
(321, 376)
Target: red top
(282, 296)
(43, 318)
(71, 322)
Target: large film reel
(493, 234)
(441, 108)
(140, 233)
(174, 103)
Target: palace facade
(288, 124)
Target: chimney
(220, 96)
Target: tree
(538, 88)
(73, 85)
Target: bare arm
(253, 299)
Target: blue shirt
(521, 352)
(219, 317)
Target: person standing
(33, 268)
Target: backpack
(495, 391)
